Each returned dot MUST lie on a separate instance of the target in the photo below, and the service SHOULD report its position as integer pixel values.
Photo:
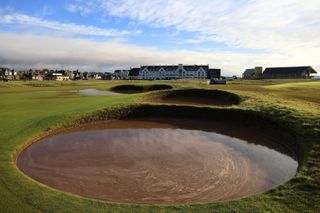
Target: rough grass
(24, 116)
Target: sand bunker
(158, 161)
(197, 97)
(133, 88)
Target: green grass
(299, 91)
(27, 114)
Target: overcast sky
(101, 35)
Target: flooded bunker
(162, 160)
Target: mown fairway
(29, 109)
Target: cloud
(82, 7)
(18, 21)
(25, 51)
(257, 24)
(281, 33)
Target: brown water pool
(159, 161)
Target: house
(248, 74)
(98, 76)
(8, 74)
(58, 76)
(288, 72)
(77, 75)
(39, 77)
(255, 73)
(62, 78)
(167, 72)
(121, 74)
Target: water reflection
(87, 92)
(157, 165)
(96, 92)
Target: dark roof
(174, 67)
(249, 72)
(287, 70)
(157, 68)
(170, 68)
(196, 67)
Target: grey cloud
(25, 51)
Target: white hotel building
(160, 72)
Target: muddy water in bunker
(157, 162)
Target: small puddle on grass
(86, 92)
(96, 92)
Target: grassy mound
(132, 88)
(197, 97)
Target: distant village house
(255, 73)
(8, 74)
(58, 76)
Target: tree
(85, 75)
